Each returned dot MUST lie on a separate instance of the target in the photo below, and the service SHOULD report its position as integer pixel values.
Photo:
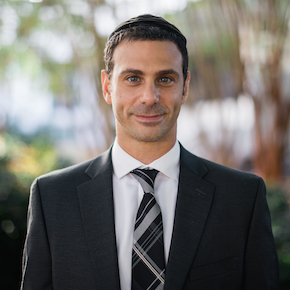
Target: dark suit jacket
(221, 238)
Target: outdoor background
(52, 113)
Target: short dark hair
(144, 32)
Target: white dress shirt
(128, 194)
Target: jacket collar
(193, 204)
(97, 210)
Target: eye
(165, 80)
(133, 79)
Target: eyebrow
(159, 73)
(168, 72)
(132, 71)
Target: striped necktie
(148, 263)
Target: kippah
(150, 20)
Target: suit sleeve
(261, 262)
(36, 255)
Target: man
(213, 229)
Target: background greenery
(20, 163)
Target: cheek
(173, 101)
(119, 104)
(125, 99)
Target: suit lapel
(97, 209)
(192, 208)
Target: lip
(149, 118)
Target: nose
(150, 94)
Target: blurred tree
(264, 51)
(242, 48)
(56, 44)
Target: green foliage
(20, 163)
(280, 214)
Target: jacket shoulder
(214, 171)
(76, 174)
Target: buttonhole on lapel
(200, 191)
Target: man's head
(146, 81)
(145, 27)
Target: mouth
(149, 118)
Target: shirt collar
(168, 164)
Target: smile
(149, 118)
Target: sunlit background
(52, 113)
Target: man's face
(146, 90)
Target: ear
(106, 83)
(186, 88)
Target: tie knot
(146, 178)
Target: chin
(143, 137)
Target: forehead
(147, 55)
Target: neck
(147, 152)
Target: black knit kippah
(150, 20)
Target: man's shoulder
(219, 170)
(78, 172)
(215, 171)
